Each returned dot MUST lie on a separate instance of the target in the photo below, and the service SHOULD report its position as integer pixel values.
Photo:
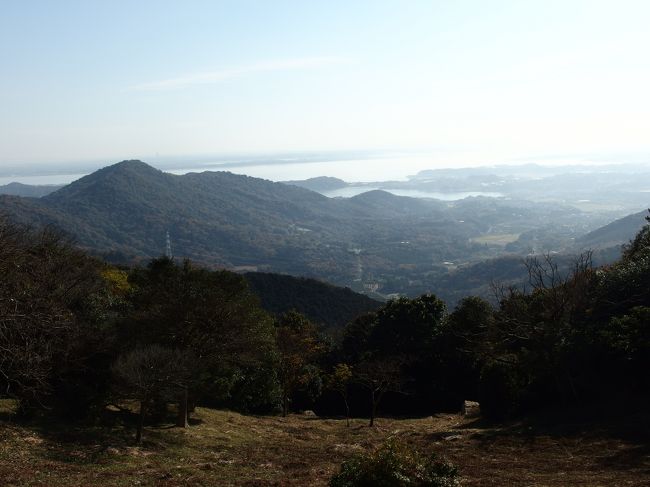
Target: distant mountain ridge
(29, 190)
(373, 241)
(617, 233)
(319, 184)
(216, 218)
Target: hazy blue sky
(486, 79)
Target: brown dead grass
(228, 449)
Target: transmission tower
(168, 247)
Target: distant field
(496, 239)
(592, 206)
(228, 449)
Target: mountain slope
(374, 241)
(28, 190)
(617, 233)
(325, 304)
(216, 218)
(321, 183)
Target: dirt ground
(223, 448)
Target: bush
(394, 464)
(500, 391)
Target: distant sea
(367, 169)
(351, 191)
(370, 169)
(351, 167)
(364, 168)
(40, 179)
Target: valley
(376, 242)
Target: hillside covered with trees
(81, 338)
(373, 241)
(75, 331)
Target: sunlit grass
(227, 448)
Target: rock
(309, 413)
(452, 437)
(471, 409)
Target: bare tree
(45, 283)
(339, 381)
(379, 376)
(148, 374)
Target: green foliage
(408, 326)
(500, 389)
(397, 349)
(640, 243)
(50, 330)
(464, 349)
(340, 378)
(220, 219)
(298, 349)
(394, 464)
(213, 317)
(629, 335)
(339, 381)
(323, 304)
(66, 317)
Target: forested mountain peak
(120, 176)
(373, 242)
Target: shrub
(500, 391)
(395, 464)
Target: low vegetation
(226, 448)
(110, 352)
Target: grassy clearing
(496, 239)
(228, 449)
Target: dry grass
(224, 448)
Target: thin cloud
(226, 74)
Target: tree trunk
(138, 433)
(373, 408)
(347, 411)
(191, 405)
(285, 405)
(181, 420)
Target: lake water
(352, 170)
(351, 191)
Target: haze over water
(354, 167)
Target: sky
(469, 80)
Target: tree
(465, 348)
(214, 317)
(48, 310)
(539, 346)
(471, 322)
(395, 347)
(152, 373)
(378, 376)
(408, 327)
(339, 381)
(298, 347)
